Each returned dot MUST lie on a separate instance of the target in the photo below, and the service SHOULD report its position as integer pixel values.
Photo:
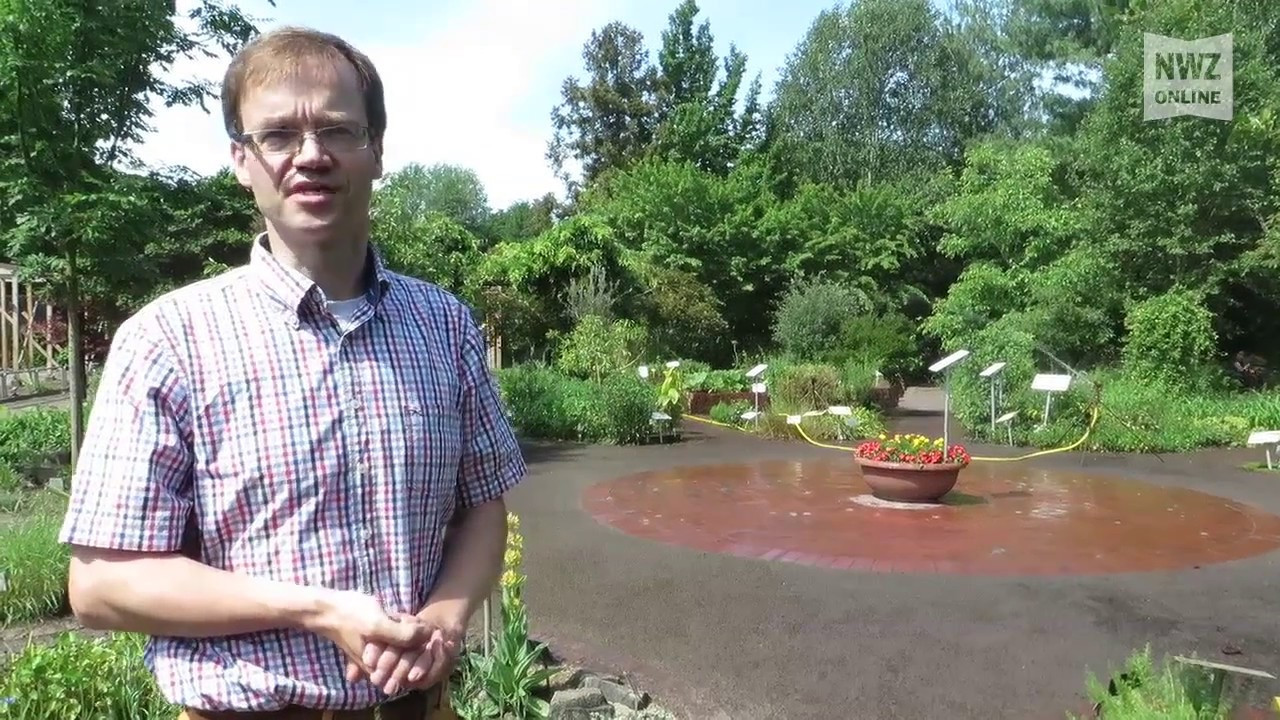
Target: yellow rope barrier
(1093, 421)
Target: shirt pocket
(432, 432)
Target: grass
(33, 562)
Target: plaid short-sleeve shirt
(303, 451)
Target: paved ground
(719, 636)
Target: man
(314, 420)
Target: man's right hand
(353, 619)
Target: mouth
(312, 190)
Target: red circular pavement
(1000, 519)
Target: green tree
(453, 191)
(608, 121)
(886, 89)
(78, 79)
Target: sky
(473, 82)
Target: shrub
(1170, 340)
(627, 404)
(858, 380)
(539, 400)
(1002, 341)
(718, 381)
(827, 428)
(800, 388)
(597, 346)
(811, 315)
(546, 404)
(887, 342)
(82, 677)
(1141, 416)
(29, 436)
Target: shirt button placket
(355, 427)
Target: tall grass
(34, 563)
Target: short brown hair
(281, 53)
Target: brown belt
(430, 704)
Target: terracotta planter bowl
(906, 482)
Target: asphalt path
(718, 636)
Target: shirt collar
(295, 291)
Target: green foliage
(1141, 416)
(455, 193)
(885, 89)
(82, 677)
(1003, 341)
(33, 561)
(520, 285)
(1173, 691)
(29, 437)
(729, 413)
(679, 219)
(547, 404)
(885, 342)
(809, 319)
(508, 681)
(683, 315)
(718, 381)
(598, 347)
(431, 247)
(865, 239)
(629, 109)
(522, 220)
(806, 387)
(1171, 339)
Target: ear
(240, 164)
(377, 159)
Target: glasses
(336, 138)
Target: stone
(565, 678)
(617, 693)
(580, 704)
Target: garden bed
(701, 401)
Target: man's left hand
(417, 668)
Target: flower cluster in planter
(912, 449)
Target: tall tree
(883, 90)
(609, 121)
(697, 118)
(78, 80)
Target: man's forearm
(177, 596)
(474, 547)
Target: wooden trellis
(22, 345)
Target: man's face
(314, 194)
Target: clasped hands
(396, 652)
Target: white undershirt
(345, 311)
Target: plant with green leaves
(506, 682)
(1142, 690)
(79, 676)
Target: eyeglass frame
(247, 136)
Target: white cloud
(475, 89)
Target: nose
(311, 152)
